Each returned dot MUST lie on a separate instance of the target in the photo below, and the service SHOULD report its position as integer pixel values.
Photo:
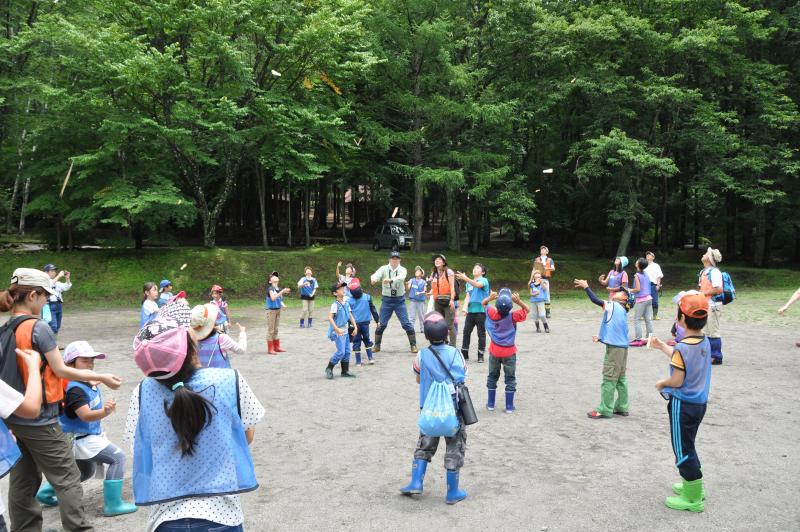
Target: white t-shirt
(654, 272)
(150, 306)
(10, 399)
(224, 509)
(715, 276)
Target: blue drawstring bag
(438, 416)
(9, 452)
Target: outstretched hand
(581, 283)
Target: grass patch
(114, 278)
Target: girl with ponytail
(190, 427)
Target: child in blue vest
(83, 409)
(477, 291)
(363, 309)
(308, 291)
(417, 290)
(165, 289)
(214, 347)
(614, 334)
(149, 304)
(687, 389)
(340, 316)
(540, 295)
(501, 324)
(273, 304)
(428, 369)
(190, 428)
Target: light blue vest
(416, 291)
(9, 452)
(503, 332)
(145, 317)
(211, 354)
(543, 292)
(77, 425)
(269, 304)
(697, 362)
(614, 325)
(221, 463)
(360, 308)
(342, 317)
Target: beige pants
(308, 309)
(712, 326)
(273, 320)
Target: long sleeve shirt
(397, 286)
(59, 289)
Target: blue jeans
(654, 293)
(362, 336)
(342, 344)
(396, 305)
(56, 312)
(196, 525)
(509, 365)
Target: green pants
(45, 449)
(614, 379)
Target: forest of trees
(275, 122)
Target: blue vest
(269, 304)
(221, 463)
(145, 317)
(503, 332)
(9, 452)
(614, 325)
(697, 362)
(644, 286)
(76, 424)
(306, 290)
(211, 354)
(615, 279)
(360, 308)
(543, 292)
(416, 291)
(342, 317)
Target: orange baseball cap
(692, 303)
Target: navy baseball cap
(394, 255)
(49, 267)
(165, 283)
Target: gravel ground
(332, 455)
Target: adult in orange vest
(711, 285)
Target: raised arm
(56, 363)
(792, 300)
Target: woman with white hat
(214, 347)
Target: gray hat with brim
(32, 277)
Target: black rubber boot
(346, 370)
(480, 357)
(329, 371)
(465, 354)
(412, 341)
(376, 348)
(537, 326)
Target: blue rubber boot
(47, 495)
(454, 494)
(112, 499)
(309, 322)
(418, 468)
(302, 323)
(369, 356)
(716, 350)
(490, 400)
(510, 403)
(358, 357)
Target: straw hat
(204, 317)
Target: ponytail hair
(147, 287)
(16, 294)
(190, 412)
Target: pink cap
(160, 347)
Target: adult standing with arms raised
(443, 289)
(655, 275)
(710, 286)
(56, 299)
(546, 266)
(392, 278)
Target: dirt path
(333, 454)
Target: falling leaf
(276, 73)
(537, 190)
(547, 171)
(573, 80)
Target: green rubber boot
(691, 497)
(677, 489)
(113, 504)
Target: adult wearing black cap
(56, 300)
(392, 277)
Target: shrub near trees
(251, 120)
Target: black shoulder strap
(238, 398)
(445, 368)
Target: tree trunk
(306, 215)
(138, 236)
(343, 212)
(289, 213)
(25, 196)
(262, 204)
(453, 233)
(416, 156)
(625, 239)
(760, 237)
(15, 190)
(730, 224)
(70, 245)
(663, 241)
(58, 234)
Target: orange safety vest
(52, 387)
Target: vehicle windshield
(401, 230)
